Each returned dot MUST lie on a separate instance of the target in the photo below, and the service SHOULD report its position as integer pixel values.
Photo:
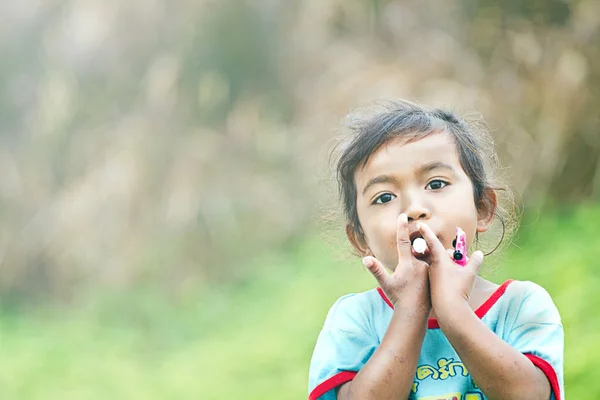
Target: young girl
(433, 329)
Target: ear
(486, 209)
(359, 244)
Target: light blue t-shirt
(521, 313)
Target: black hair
(410, 121)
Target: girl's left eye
(436, 184)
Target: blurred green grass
(254, 339)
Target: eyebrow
(433, 166)
(423, 169)
(379, 179)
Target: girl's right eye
(384, 198)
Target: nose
(416, 209)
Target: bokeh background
(167, 224)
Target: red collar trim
(480, 312)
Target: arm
(499, 370)
(390, 372)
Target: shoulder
(522, 290)
(529, 302)
(353, 309)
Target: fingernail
(403, 217)
(418, 226)
(366, 262)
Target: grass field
(253, 340)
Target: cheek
(470, 226)
(380, 232)
(465, 216)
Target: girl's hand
(450, 283)
(408, 284)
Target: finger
(475, 262)
(435, 246)
(450, 253)
(377, 269)
(403, 240)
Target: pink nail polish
(460, 252)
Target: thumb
(475, 262)
(377, 270)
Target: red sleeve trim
(480, 312)
(331, 383)
(549, 371)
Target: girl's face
(423, 179)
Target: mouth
(418, 246)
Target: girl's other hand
(450, 283)
(408, 285)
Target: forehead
(401, 157)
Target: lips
(414, 234)
(425, 256)
(419, 256)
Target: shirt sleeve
(343, 347)
(537, 332)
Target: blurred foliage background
(164, 178)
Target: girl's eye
(436, 184)
(384, 198)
